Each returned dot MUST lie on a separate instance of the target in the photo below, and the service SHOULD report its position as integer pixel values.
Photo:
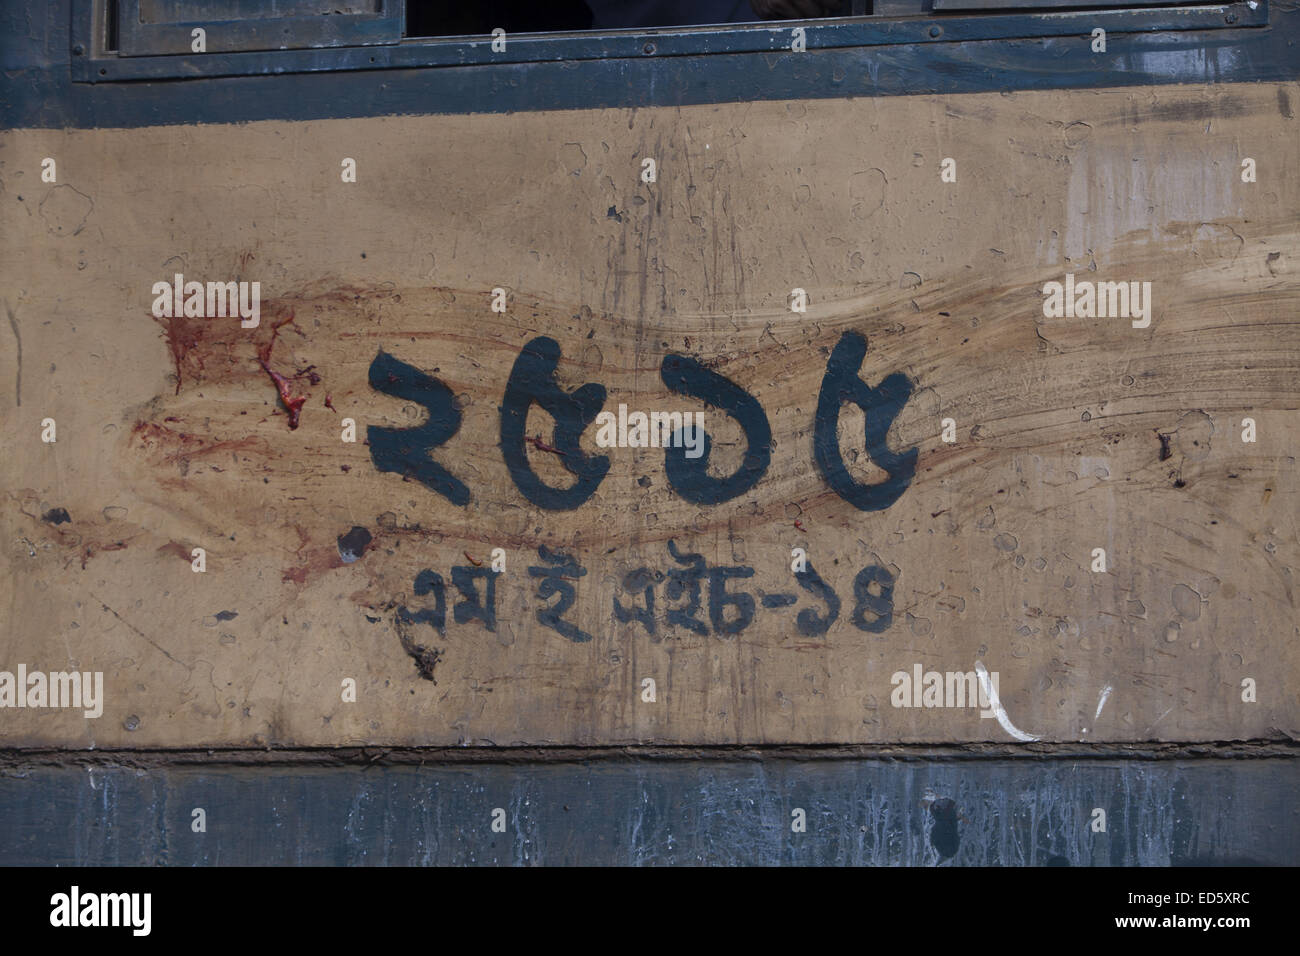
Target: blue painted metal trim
(37, 89)
(1021, 812)
(702, 41)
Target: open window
(173, 39)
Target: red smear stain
(318, 561)
(264, 351)
(184, 335)
(211, 351)
(178, 549)
(799, 524)
(207, 349)
(310, 372)
(176, 444)
(291, 402)
(542, 446)
(92, 550)
(173, 445)
(477, 564)
(204, 349)
(314, 560)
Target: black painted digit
(406, 450)
(880, 407)
(810, 622)
(690, 477)
(880, 605)
(532, 379)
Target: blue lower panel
(858, 811)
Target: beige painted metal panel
(171, 436)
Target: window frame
(93, 62)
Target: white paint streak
(998, 711)
(1158, 719)
(1101, 701)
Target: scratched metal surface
(1072, 434)
(858, 812)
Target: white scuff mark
(1158, 719)
(91, 772)
(1101, 701)
(996, 705)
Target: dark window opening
(441, 18)
(110, 27)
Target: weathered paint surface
(50, 87)
(858, 812)
(1073, 434)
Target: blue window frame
(370, 35)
